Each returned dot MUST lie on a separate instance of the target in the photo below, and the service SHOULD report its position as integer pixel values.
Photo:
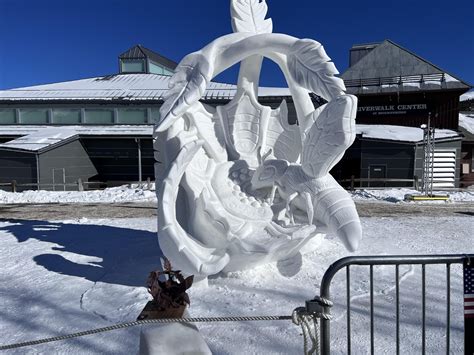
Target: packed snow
(59, 277)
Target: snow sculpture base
(240, 186)
(173, 339)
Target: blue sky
(49, 41)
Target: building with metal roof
(397, 87)
(111, 118)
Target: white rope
(306, 321)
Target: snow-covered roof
(400, 133)
(466, 123)
(127, 87)
(36, 138)
(467, 96)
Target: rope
(144, 322)
(310, 326)
(325, 302)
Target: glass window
(132, 116)
(7, 116)
(133, 66)
(33, 116)
(155, 68)
(99, 116)
(155, 114)
(168, 72)
(65, 116)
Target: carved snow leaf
(187, 86)
(329, 137)
(249, 16)
(311, 68)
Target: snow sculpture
(240, 185)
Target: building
(399, 91)
(99, 130)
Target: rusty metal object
(169, 293)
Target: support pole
(139, 146)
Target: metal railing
(396, 80)
(386, 182)
(396, 261)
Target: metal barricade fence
(324, 304)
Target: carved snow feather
(329, 137)
(249, 16)
(311, 68)
(186, 87)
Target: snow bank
(109, 195)
(398, 195)
(139, 194)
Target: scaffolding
(428, 162)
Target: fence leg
(416, 183)
(148, 182)
(80, 186)
(352, 182)
(13, 185)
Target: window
(99, 116)
(168, 72)
(155, 114)
(7, 116)
(66, 116)
(155, 69)
(132, 116)
(33, 116)
(133, 66)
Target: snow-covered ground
(138, 194)
(59, 277)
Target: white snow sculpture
(222, 205)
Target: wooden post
(148, 182)
(80, 186)
(13, 185)
(352, 182)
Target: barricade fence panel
(394, 304)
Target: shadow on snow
(124, 256)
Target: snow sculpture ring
(240, 186)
